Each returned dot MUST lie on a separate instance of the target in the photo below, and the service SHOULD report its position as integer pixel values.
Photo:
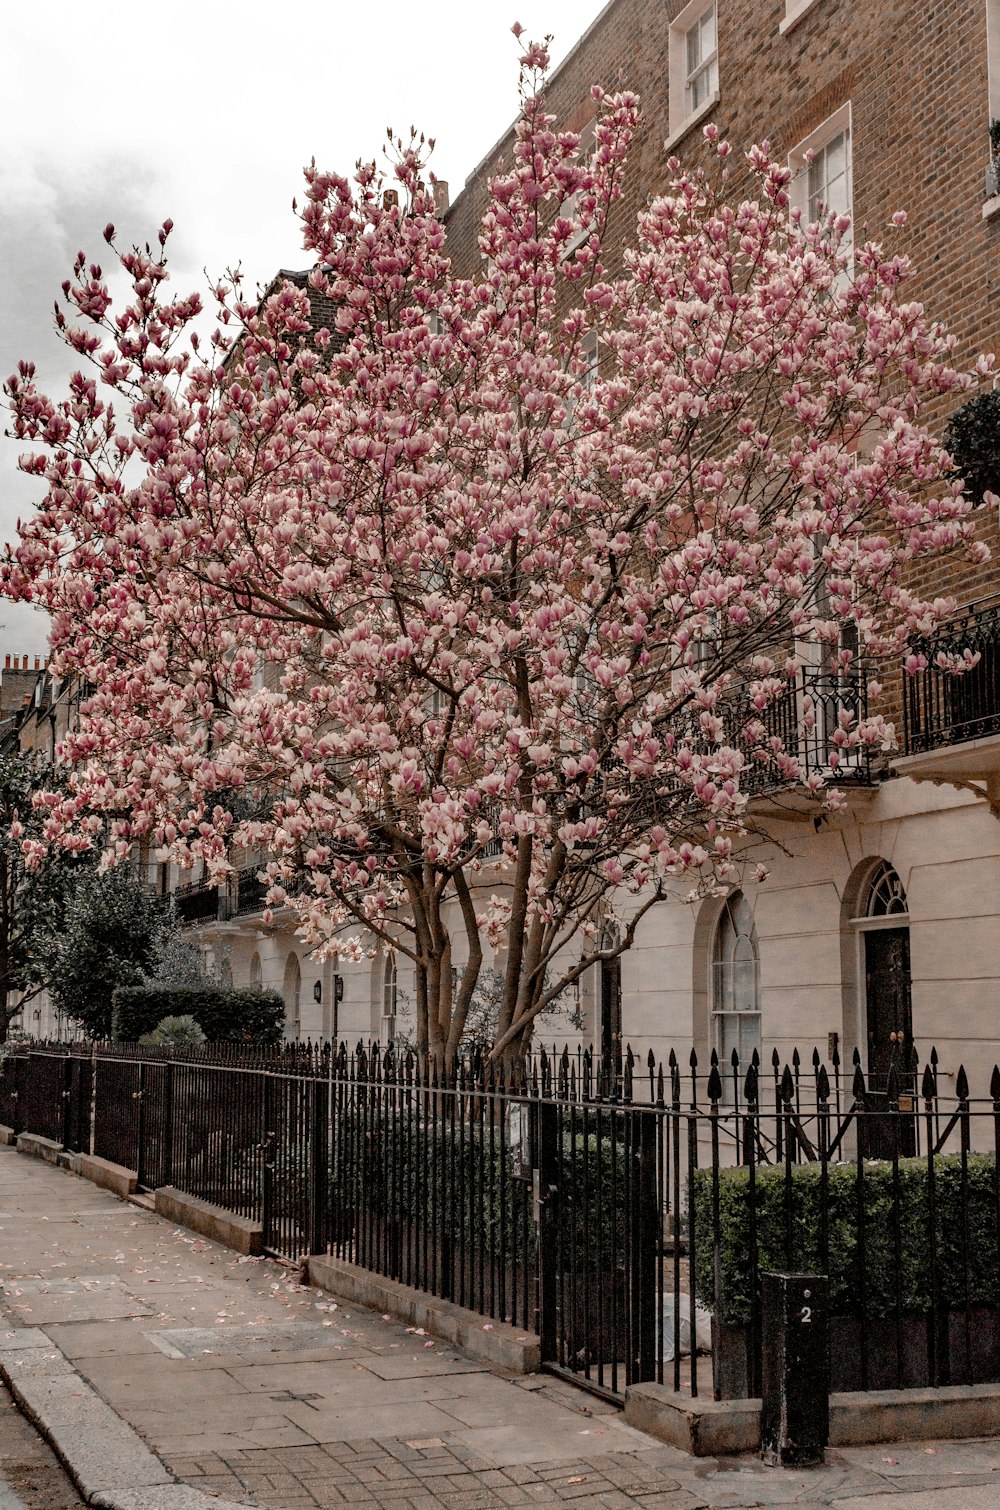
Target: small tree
(527, 622)
(33, 900)
(111, 935)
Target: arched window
(735, 982)
(291, 992)
(886, 897)
(387, 1027)
(256, 973)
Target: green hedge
(848, 1266)
(224, 1016)
(451, 1176)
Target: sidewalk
(154, 1359)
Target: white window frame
(390, 1000)
(991, 206)
(681, 116)
(746, 1019)
(795, 10)
(837, 124)
(588, 142)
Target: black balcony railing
(250, 891)
(197, 902)
(942, 707)
(804, 721)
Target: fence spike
(787, 1086)
(822, 1084)
(750, 1084)
(995, 1083)
(734, 1059)
(859, 1085)
(962, 1084)
(714, 1086)
(928, 1089)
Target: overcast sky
(206, 112)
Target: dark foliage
(225, 1015)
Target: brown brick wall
(915, 73)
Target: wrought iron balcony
(943, 708)
(250, 891)
(812, 744)
(196, 902)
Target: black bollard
(795, 1416)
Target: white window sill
(794, 16)
(692, 120)
(991, 207)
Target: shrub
(180, 1031)
(850, 1262)
(224, 1015)
(973, 438)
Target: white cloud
(206, 113)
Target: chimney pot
(6, 663)
(38, 663)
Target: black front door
(611, 1012)
(890, 1036)
(887, 993)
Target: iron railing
(623, 1211)
(942, 707)
(196, 902)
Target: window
(822, 171)
(693, 66)
(992, 205)
(794, 12)
(387, 1027)
(829, 177)
(735, 983)
(886, 897)
(291, 992)
(702, 62)
(568, 208)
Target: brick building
(881, 920)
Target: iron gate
(595, 1187)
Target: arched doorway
(610, 1004)
(884, 928)
(291, 992)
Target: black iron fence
(941, 707)
(625, 1212)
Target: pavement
(168, 1373)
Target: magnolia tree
(492, 630)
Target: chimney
(6, 663)
(17, 663)
(441, 200)
(38, 663)
(390, 199)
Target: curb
(494, 1343)
(108, 1462)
